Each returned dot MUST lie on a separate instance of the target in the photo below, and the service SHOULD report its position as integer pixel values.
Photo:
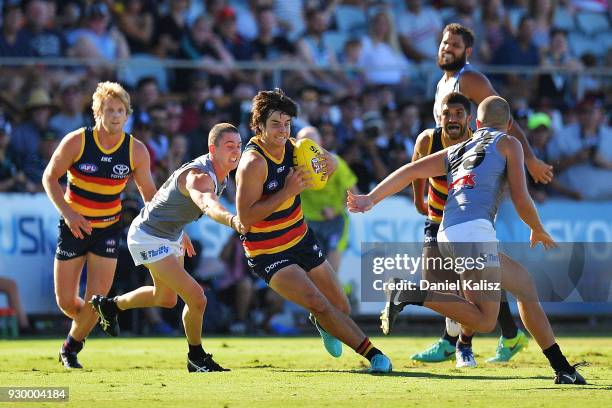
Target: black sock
(506, 321)
(367, 349)
(464, 340)
(71, 345)
(451, 339)
(414, 297)
(196, 352)
(557, 360)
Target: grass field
(295, 372)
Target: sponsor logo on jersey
(120, 171)
(466, 181)
(88, 167)
(280, 169)
(272, 185)
(106, 159)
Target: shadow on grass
(417, 374)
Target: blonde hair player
(99, 161)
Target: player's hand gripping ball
(309, 155)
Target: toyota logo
(121, 169)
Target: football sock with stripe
(367, 349)
(71, 345)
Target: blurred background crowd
(363, 73)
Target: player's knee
(167, 301)
(317, 304)
(198, 299)
(66, 304)
(487, 325)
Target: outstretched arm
(398, 180)
(477, 87)
(512, 150)
(200, 187)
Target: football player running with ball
(279, 246)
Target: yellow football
(309, 155)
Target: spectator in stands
(43, 41)
(201, 44)
(582, 153)
(26, 136)
(197, 94)
(519, 50)
(209, 115)
(543, 12)
(147, 94)
(177, 153)
(170, 29)
(492, 29)
(540, 132)
(380, 50)
(270, 47)
(290, 14)
(400, 143)
(464, 14)
(11, 179)
(137, 24)
(558, 86)
(159, 142)
(246, 18)
(233, 41)
(350, 120)
(351, 55)
(9, 287)
(363, 155)
(419, 29)
(99, 39)
(36, 162)
(14, 41)
(71, 114)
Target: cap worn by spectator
(97, 9)
(539, 119)
(38, 98)
(226, 13)
(69, 84)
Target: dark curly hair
(267, 102)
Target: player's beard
(456, 135)
(456, 65)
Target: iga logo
(88, 167)
(121, 169)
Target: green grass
(294, 372)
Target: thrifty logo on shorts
(152, 253)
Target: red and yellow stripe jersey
(438, 187)
(285, 227)
(97, 177)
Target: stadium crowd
(360, 71)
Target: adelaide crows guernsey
(98, 176)
(285, 227)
